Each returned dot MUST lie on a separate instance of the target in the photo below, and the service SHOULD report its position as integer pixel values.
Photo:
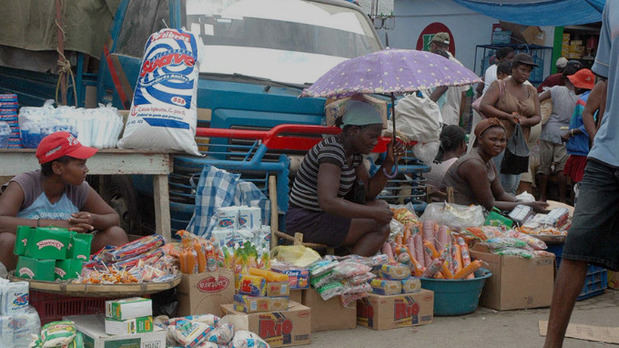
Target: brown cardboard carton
(296, 295)
(389, 312)
(278, 289)
(279, 329)
(525, 34)
(203, 293)
(516, 283)
(331, 314)
(253, 304)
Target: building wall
(468, 28)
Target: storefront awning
(539, 12)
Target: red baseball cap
(61, 144)
(583, 78)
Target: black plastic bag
(516, 158)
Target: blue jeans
(509, 182)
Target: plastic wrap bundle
(163, 113)
(98, 127)
(5, 134)
(8, 114)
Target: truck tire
(118, 192)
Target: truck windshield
(292, 41)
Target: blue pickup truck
(255, 58)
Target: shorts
(594, 234)
(575, 167)
(549, 154)
(317, 226)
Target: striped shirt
(304, 193)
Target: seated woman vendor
(464, 175)
(57, 195)
(333, 198)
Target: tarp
(539, 12)
(29, 24)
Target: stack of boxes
(128, 316)
(394, 280)
(572, 49)
(261, 291)
(50, 253)
(18, 320)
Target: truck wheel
(119, 193)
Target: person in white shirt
(502, 54)
(449, 99)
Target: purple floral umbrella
(391, 71)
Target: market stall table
(110, 162)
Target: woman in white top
(453, 145)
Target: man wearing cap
(57, 195)
(449, 99)
(593, 237)
(558, 79)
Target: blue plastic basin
(456, 297)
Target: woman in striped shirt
(333, 198)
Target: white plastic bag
(163, 113)
(419, 119)
(454, 215)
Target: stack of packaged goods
(8, 114)
(206, 331)
(502, 241)
(347, 277)
(147, 259)
(50, 253)
(555, 223)
(18, 321)
(128, 316)
(298, 277)
(259, 290)
(235, 226)
(196, 254)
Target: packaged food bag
(163, 113)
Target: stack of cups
(8, 114)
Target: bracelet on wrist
(392, 175)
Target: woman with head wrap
(474, 177)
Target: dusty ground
(484, 328)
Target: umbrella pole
(393, 116)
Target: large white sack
(163, 113)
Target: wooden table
(110, 162)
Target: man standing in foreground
(594, 235)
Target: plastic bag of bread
(247, 339)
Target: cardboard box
(30, 268)
(129, 326)
(278, 289)
(203, 293)
(279, 329)
(48, 243)
(516, 283)
(93, 329)
(522, 33)
(331, 314)
(128, 308)
(296, 295)
(613, 280)
(68, 269)
(253, 304)
(389, 312)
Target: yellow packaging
(410, 285)
(386, 286)
(395, 272)
(278, 289)
(270, 276)
(252, 285)
(251, 304)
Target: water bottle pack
(99, 127)
(8, 114)
(163, 113)
(18, 321)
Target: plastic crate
(52, 307)
(596, 280)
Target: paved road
(484, 328)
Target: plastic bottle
(5, 133)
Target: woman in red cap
(57, 195)
(466, 174)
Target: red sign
(423, 42)
(270, 327)
(212, 284)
